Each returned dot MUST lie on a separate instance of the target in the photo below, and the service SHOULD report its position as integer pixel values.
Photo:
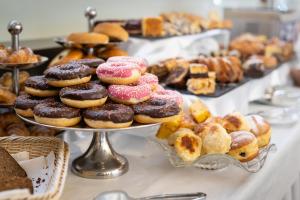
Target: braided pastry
(17, 129)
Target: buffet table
(151, 173)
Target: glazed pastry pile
(199, 133)
(125, 93)
(23, 55)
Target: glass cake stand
(100, 161)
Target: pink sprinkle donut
(121, 73)
(141, 62)
(168, 95)
(127, 94)
(149, 79)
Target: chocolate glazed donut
(84, 95)
(25, 103)
(109, 116)
(68, 74)
(156, 111)
(56, 114)
(38, 86)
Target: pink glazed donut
(149, 79)
(120, 73)
(127, 94)
(141, 62)
(168, 95)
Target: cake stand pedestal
(100, 161)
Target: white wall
(49, 18)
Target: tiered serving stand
(100, 161)
(15, 28)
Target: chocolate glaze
(157, 108)
(68, 71)
(38, 82)
(94, 63)
(117, 113)
(55, 110)
(25, 101)
(86, 91)
(199, 75)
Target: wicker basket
(42, 146)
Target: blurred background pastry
(114, 31)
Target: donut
(56, 114)
(110, 115)
(114, 31)
(25, 103)
(92, 63)
(141, 62)
(119, 73)
(150, 79)
(110, 52)
(244, 146)
(68, 74)
(168, 95)
(129, 94)
(38, 86)
(156, 111)
(88, 38)
(84, 95)
(235, 122)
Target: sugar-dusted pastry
(187, 121)
(199, 111)
(187, 145)
(153, 27)
(235, 122)
(244, 146)
(260, 128)
(215, 139)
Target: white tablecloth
(151, 173)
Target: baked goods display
(22, 56)
(197, 133)
(125, 93)
(170, 24)
(11, 125)
(114, 31)
(260, 54)
(199, 76)
(13, 176)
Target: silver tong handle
(187, 196)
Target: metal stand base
(100, 161)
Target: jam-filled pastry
(235, 122)
(260, 128)
(244, 146)
(187, 145)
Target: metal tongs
(121, 195)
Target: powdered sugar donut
(141, 62)
(149, 79)
(127, 94)
(168, 95)
(120, 73)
